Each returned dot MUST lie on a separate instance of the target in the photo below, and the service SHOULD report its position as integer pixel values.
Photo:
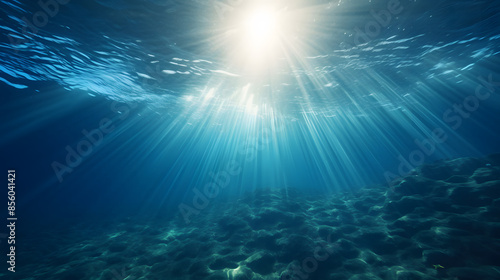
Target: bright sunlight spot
(261, 39)
(260, 26)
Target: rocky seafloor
(442, 221)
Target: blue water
(170, 102)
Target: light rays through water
(281, 94)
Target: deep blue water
(344, 97)
(328, 111)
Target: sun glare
(260, 29)
(261, 39)
(260, 25)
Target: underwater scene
(250, 139)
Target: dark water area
(229, 139)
